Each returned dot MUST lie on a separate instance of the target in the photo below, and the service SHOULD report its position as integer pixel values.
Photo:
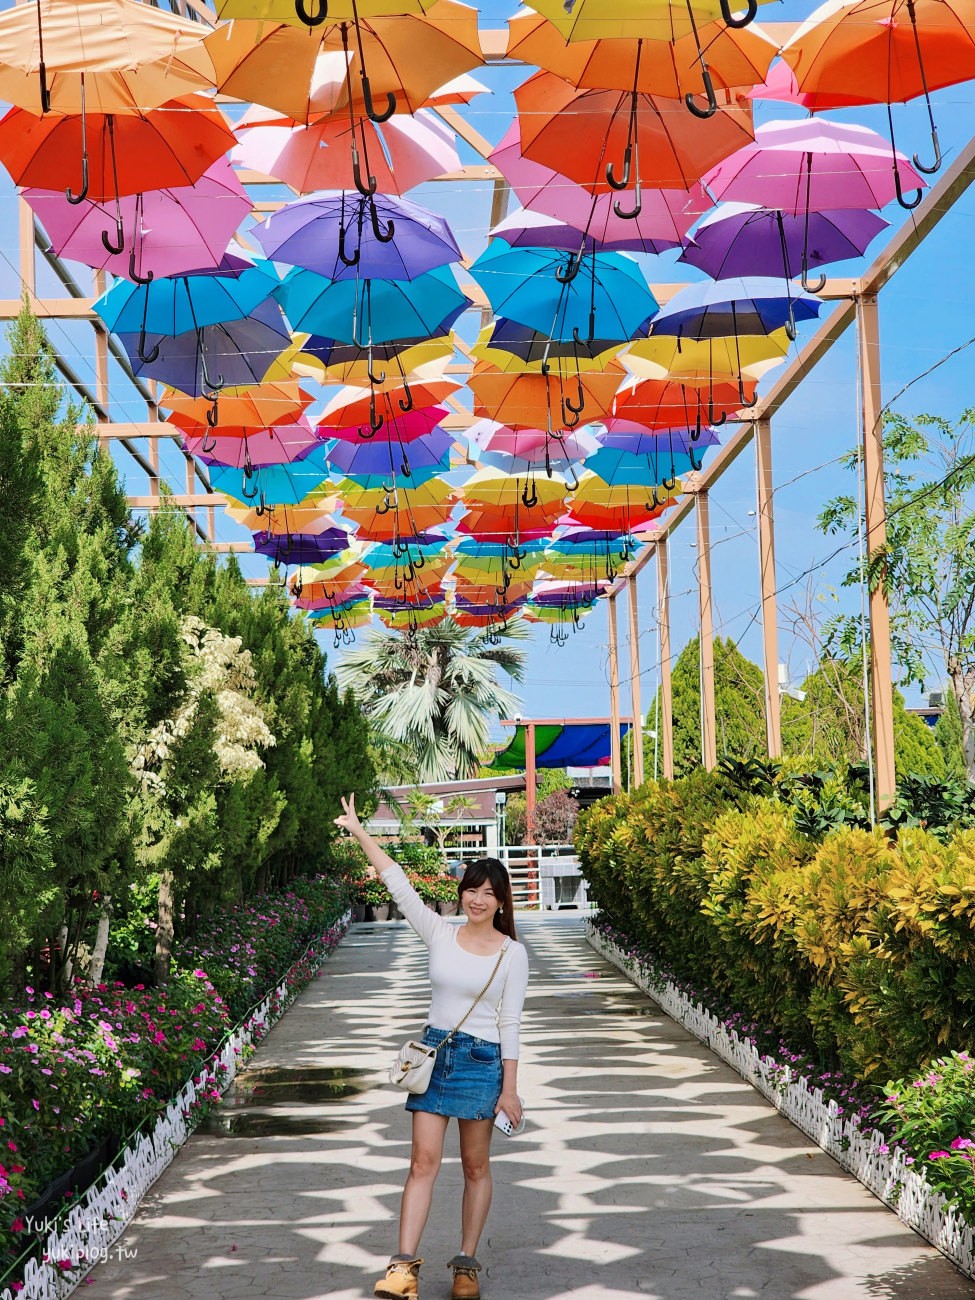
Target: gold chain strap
(497, 966)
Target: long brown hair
(496, 875)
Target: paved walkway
(649, 1168)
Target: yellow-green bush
(859, 945)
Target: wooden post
(770, 612)
(530, 782)
(666, 737)
(881, 680)
(101, 354)
(28, 272)
(636, 727)
(616, 766)
(709, 748)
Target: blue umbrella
(176, 304)
(204, 360)
(729, 307)
(272, 485)
(347, 236)
(603, 295)
(378, 461)
(624, 468)
(383, 310)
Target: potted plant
(446, 895)
(377, 900)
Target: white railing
(545, 878)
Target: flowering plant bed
(110, 1060)
(882, 1136)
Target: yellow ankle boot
(466, 1286)
(402, 1279)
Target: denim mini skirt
(466, 1081)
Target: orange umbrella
(126, 154)
(111, 56)
(305, 518)
(670, 404)
(620, 508)
(307, 74)
(241, 411)
(884, 52)
(585, 134)
(672, 67)
(535, 401)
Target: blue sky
(925, 313)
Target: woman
(476, 1073)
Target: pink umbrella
(186, 228)
(528, 444)
(403, 152)
(275, 446)
(666, 216)
(813, 165)
(352, 591)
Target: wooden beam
(709, 741)
(615, 763)
(50, 308)
(636, 736)
(666, 739)
(766, 563)
(182, 500)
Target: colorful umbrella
(272, 485)
(814, 166)
(732, 307)
(420, 459)
(670, 404)
(170, 231)
(648, 138)
(702, 361)
(345, 363)
(124, 154)
(543, 401)
(302, 548)
(527, 229)
(277, 445)
(240, 411)
(403, 152)
(306, 517)
(111, 56)
(507, 345)
(370, 310)
(602, 295)
(341, 236)
(588, 20)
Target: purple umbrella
(667, 215)
(526, 229)
(345, 236)
(301, 548)
(202, 361)
(174, 230)
(743, 239)
(384, 455)
(626, 435)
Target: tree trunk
(164, 934)
(963, 683)
(101, 943)
(62, 976)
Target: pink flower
(960, 1144)
(938, 1155)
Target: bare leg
(428, 1136)
(475, 1155)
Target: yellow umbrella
(408, 48)
(310, 516)
(700, 361)
(671, 67)
(659, 20)
(356, 370)
(100, 56)
(493, 487)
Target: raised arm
(423, 919)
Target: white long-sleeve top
(457, 976)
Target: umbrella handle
(376, 421)
(570, 416)
(405, 467)
(749, 15)
(367, 99)
(637, 208)
(669, 483)
(566, 274)
(377, 228)
(936, 165)
(385, 508)
(742, 395)
(697, 459)
(209, 442)
(343, 255)
(249, 496)
(529, 500)
(717, 421)
(376, 379)
(420, 561)
(408, 404)
(119, 244)
(312, 19)
(577, 407)
(627, 165)
(367, 191)
(573, 486)
(812, 286)
(147, 358)
(587, 341)
(515, 559)
(213, 384)
(712, 105)
(134, 275)
(83, 192)
(213, 412)
(909, 206)
(298, 587)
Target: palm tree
(435, 690)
